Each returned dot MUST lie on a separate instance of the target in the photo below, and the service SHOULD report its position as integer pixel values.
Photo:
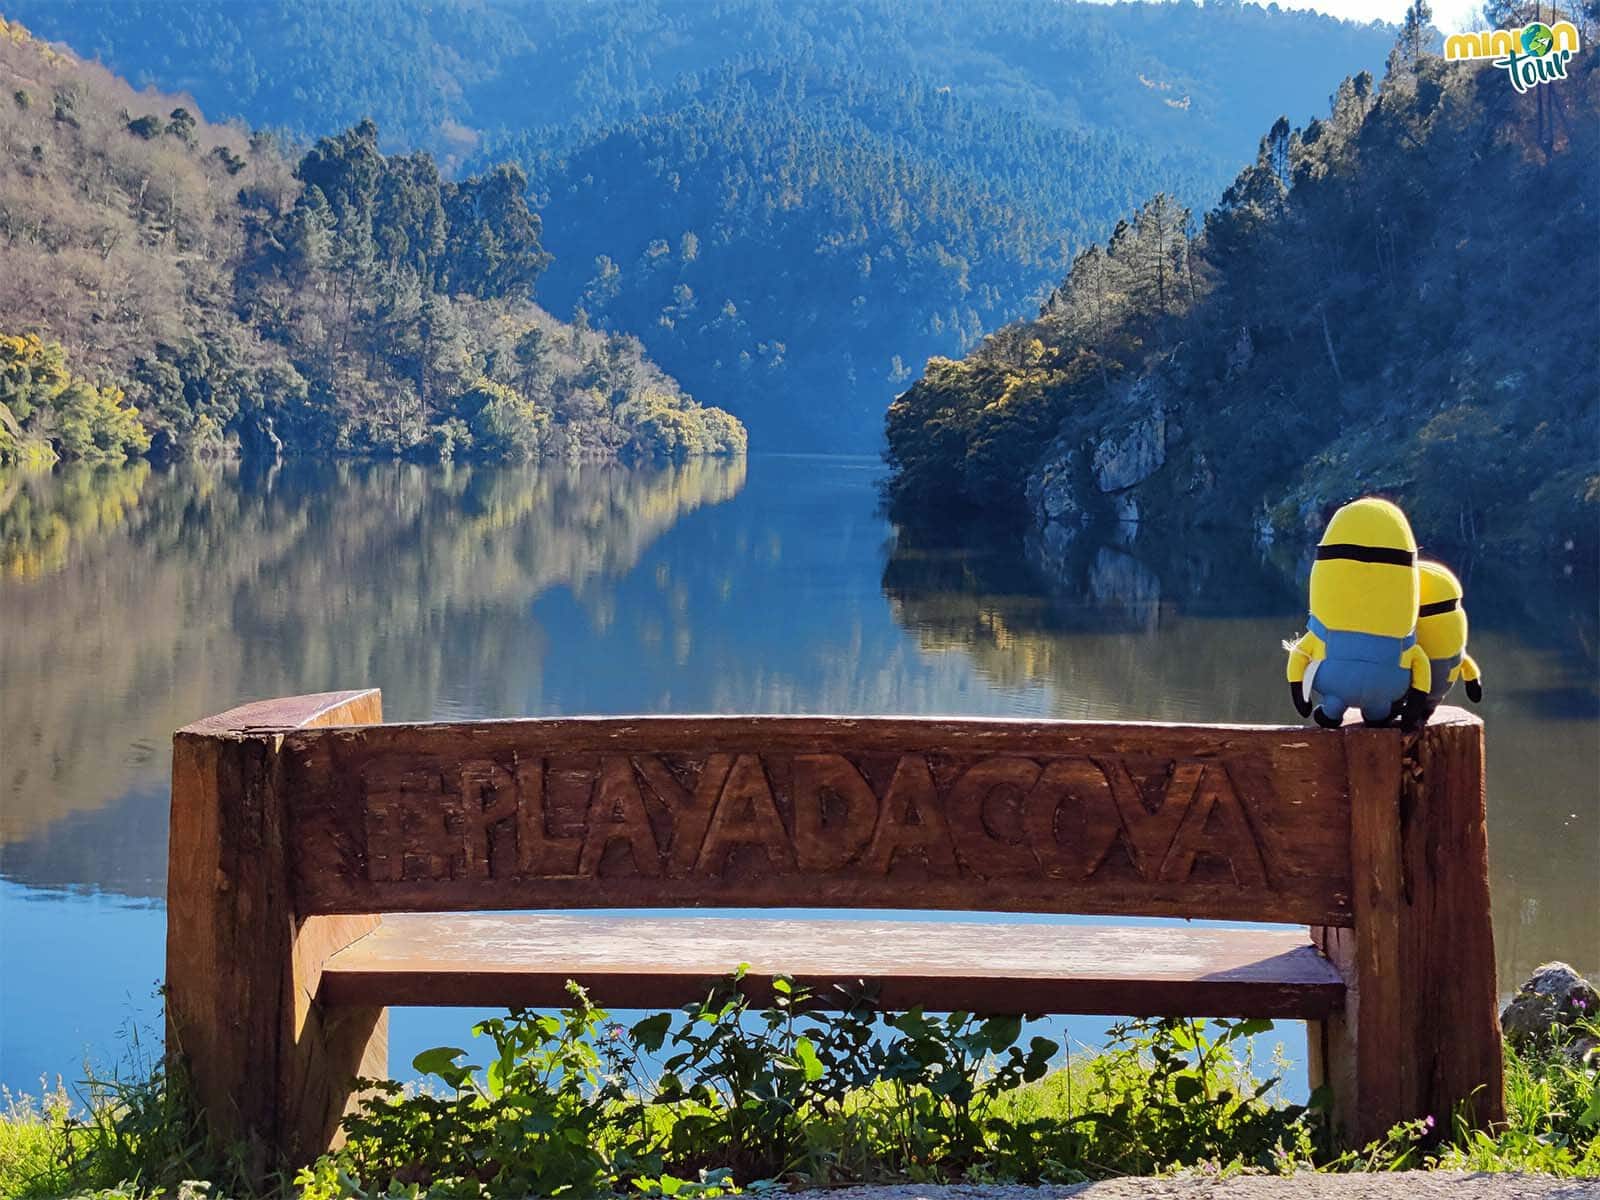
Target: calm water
(132, 602)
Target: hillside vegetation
(173, 286)
(1397, 297)
(793, 205)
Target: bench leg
(328, 1047)
(1420, 1034)
(269, 1068)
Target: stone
(1133, 453)
(1554, 996)
(1127, 518)
(1051, 490)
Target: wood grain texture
(229, 927)
(637, 962)
(1362, 1051)
(1054, 816)
(361, 706)
(1419, 1034)
(1448, 948)
(268, 1066)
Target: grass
(33, 1145)
(123, 1137)
(1162, 1096)
(1552, 1118)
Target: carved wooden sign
(894, 813)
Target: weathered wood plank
(1227, 822)
(268, 1065)
(317, 710)
(1419, 1034)
(228, 927)
(637, 962)
(1361, 1052)
(1448, 947)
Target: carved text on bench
(1005, 816)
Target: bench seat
(653, 962)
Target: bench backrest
(1194, 821)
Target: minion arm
(1473, 677)
(1301, 655)
(1417, 660)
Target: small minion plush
(1442, 634)
(1361, 649)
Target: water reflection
(132, 602)
(1193, 635)
(214, 587)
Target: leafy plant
(1171, 1090)
(805, 1088)
(725, 1096)
(547, 1116)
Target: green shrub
(724, 1092)
(723, 1096)
(46, 411)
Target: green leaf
(437, 1060)
(497, 1076)
(809, 1062)
(651, 1032)
(1590, 1117)
(1186, 1087)
(1001, 1032)
(1244, 1029)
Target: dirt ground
(1408, 1185)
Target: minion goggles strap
(1437, 607)
(1368, 554)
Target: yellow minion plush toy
(1442, 634)
(1361, 649)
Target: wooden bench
(325, 865)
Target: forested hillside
(801, 244)
(175, 287)
(1397, 297)
(792, 204)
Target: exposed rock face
(1092, 467)
(1127, 517)
(1555, 996)
(1134, 452)
(1052, 493)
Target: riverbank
(722, 1098)
(1404, 1185)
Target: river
(133, 601)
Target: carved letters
(757, 815)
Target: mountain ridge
(1336, 326)
(1003, 101)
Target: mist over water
(133, 601)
